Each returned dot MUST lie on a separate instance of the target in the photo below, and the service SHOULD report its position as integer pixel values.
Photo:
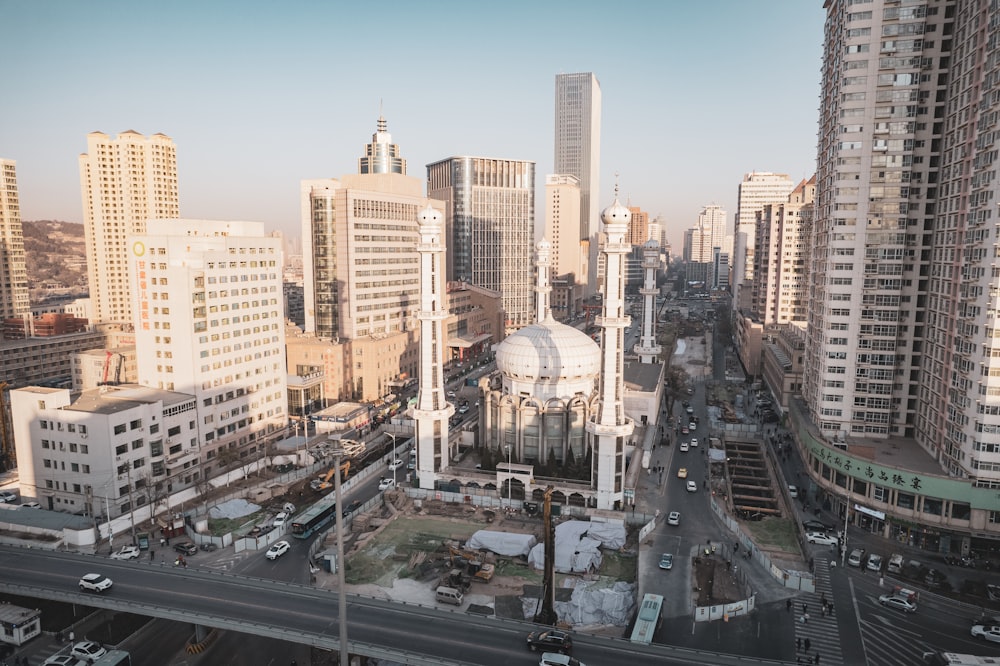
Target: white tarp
(609, 606)
(502, 543)
(575, 552)
(611, 535)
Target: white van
(855, 558)
(895, 563)
(449, 595)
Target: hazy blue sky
(260, 95)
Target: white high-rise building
(209, 322)
(578, 152)
(124, 182)
(562, 225)
(757, 189)
(13, 274)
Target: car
(682, 473)
(62, 660)
(89, 651)
(821, 538)
(385, 483)
(689, 410)
(874, 562)
(692, 487)
(673, 518)
(186, 548)
(126, 553)
(7, 496)
(95, 583)
(277, 550)
(450, 394)
(209, 547)
(692, 426)
(352, 507)
(899, 603)
(684, 430)
(816, 525)
(666, 561)
(463, 409)
(556, 659)
(550, 640)
(856, 556)
(30, 505)
(987, 633)
(793, 492)
(280, 519)
(694, 442)
(685, 447)
(934, 578)
(396, 464)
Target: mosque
(560, 409)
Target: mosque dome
(548, 353)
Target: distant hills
(55, 258)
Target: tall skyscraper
(578, 151)
(562, 225)
(13, 275)
(490, 224)
(124, 182)
(757, 189)
(638, 227)
(361, 270)
(209, 323)
(780, 289)
(900, 311)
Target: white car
(793, 492)
(7, 496)
(684, 447)
(280, 519)
(899, 603)
(396, 464)
(385, 484)
(95, 583)
(692, 486)
(874, 562)
(89, 651)
(673, 518)
(277, 550)
(30, 505)
(62, 660)
(821, 539)
(694, 442)
(126, 553)
(991, 634)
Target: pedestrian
(831, 609)
(152, 554)
(807, 643)
(805, 608)
(822, 597)
(788, 605)
(816, 661)
(798, 644)
(72, 636)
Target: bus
(316, 517)
(113, 658)
(648, 620)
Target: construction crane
(118, 368)
(547, 613)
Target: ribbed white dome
(549, 352)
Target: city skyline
(243, 96)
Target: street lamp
(341, 578)
(392, 458)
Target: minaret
(609, 428)
(542, 288)
(432, 411)
(647, 349)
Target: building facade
(562, 225)
(13, 274)
(756, 190)
(124, 181)
(490, 224)
(578, 152)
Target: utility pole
(547, 614)
(341, 578)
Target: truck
(323, 483)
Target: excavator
(471, 562)
(324, 483)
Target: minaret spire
(542, 288)
(647, 349)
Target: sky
(259, 96)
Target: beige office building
(124, 182)
(562, 226)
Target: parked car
(874, 562)
(856, 556)
(550, 640)
(666, 561)
(126, 553)
(89, 651)
(987, 633)
(692, 487)
(30, 505)
(899, 603)
(62, 660)
(95, 583)
(816, 525)
(557, 659)
(396, 464)
(673, 518)
(385, 483)
(821, 539)
(280, 519)
(7, 496)
(186, 548)
(277, 550)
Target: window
(120, 429)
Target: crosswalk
(820, 632)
